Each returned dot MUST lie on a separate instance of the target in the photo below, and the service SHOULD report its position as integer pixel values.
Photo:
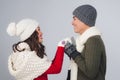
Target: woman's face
(40, 39)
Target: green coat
(92, 61)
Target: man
(88, 57)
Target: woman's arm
(57, 62)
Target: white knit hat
(24, 28)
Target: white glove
(63, 42)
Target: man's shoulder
(94, 40)
(96, 37)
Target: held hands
(63, 42)
(70, 48)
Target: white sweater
(26, 65)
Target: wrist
(61, 44)
(75, 54)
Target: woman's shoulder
(22, 54)
(23, 45)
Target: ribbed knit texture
(87, 14)
(92, 63)
(86, 65)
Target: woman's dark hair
(34, 44)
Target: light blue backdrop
(55, 17)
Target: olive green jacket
(92, 61)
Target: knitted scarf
(80, 40)
(26, 65)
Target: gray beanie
(87, 14)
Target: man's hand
(70, 50)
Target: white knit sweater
(27, 65)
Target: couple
(88, 58)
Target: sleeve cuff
(73, 55)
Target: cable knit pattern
(27, 65)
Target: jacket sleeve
(57, 62)
(89, 61)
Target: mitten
(63, 42)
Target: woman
(29, 60)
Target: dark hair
(32, 41)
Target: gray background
(55, 17)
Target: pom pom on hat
(11, 30)
(23, 29)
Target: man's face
(79, 26)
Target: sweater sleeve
(89, 61)
(57, 62)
